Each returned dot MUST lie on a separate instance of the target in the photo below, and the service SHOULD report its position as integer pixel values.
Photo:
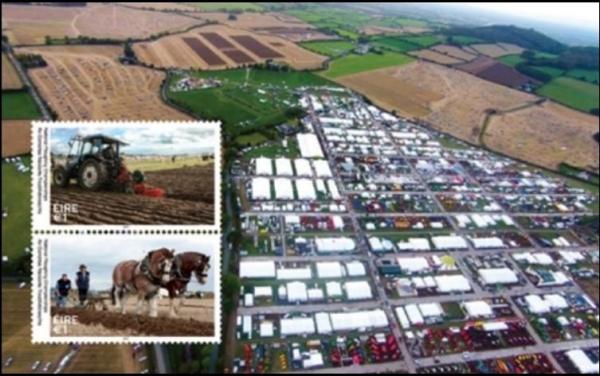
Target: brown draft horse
(184, 265)
(143, 278)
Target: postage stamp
(121, 175)
(139, 288)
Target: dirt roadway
(195, 319)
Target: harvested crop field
(497, 49)
(435, 57)
(87, 82)
(450, 100)
(547, 135)
(400, 30)
(10, 78)
(491, 70)
(233, 47)
(30, 24)
(274, 24)
(196, 319)
(16, 137)
(455, 52)
(189, 200)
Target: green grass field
(465, 40)
(511, 60)
(19, 105)
(571, 92)
(16, 227)
(156, 164)
(394, 43)
(584, 75)
(351, 64)
(274, 150)
(259, 97)
(424, 41)
(214, 7)
(329, 48)
(251, 139)
(551, 71)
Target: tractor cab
(93, 160)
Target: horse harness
(144, 268)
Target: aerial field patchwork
(31, 24)
(87, 82)
(243, 47)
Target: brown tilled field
(195, 318)
(190, 200)
(492, 70)
(383, 30)
(16, 137)
(179, 51)
(497, 50)
(436, 57)
(30, 24)
(87, 82)
(455, 52)
(450, 100)
(10, 78)
(547, 135)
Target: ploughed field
(217, 47)
(197, 320)
(189, 200)
(87, 82)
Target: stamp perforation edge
(39, 337)
(43, 226)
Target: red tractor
(96, 162)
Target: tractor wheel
(92, 175)
(59, 177)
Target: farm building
(264, 166)
(322, 168)
(488, 242)
(283, 189)
(414, 244)
(452, 283)
(305, 189)
(309, 145)
(345, 321)
(334, 289)
(412, 265)
(449, 242)
(266, 329)
(294, 273)
(358, 290)
(297, 326)
(341, 244)
(323, 323)
(283, 167)
(303, 167)
(296, 292)
(257, 269)
(261, 189)
(494, 276)
(478, 309)
(355, 269)
(331, 269)
(581, 360)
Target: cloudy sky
(100, 255)
(148, 140)
(573, 13)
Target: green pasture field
(571, 92)
(329, 48)
(16, 200)
(246, 97)
(395, 43)
(584, 75)
(19, 105)
(351, 64)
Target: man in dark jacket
(63, 286)
(83, 283)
